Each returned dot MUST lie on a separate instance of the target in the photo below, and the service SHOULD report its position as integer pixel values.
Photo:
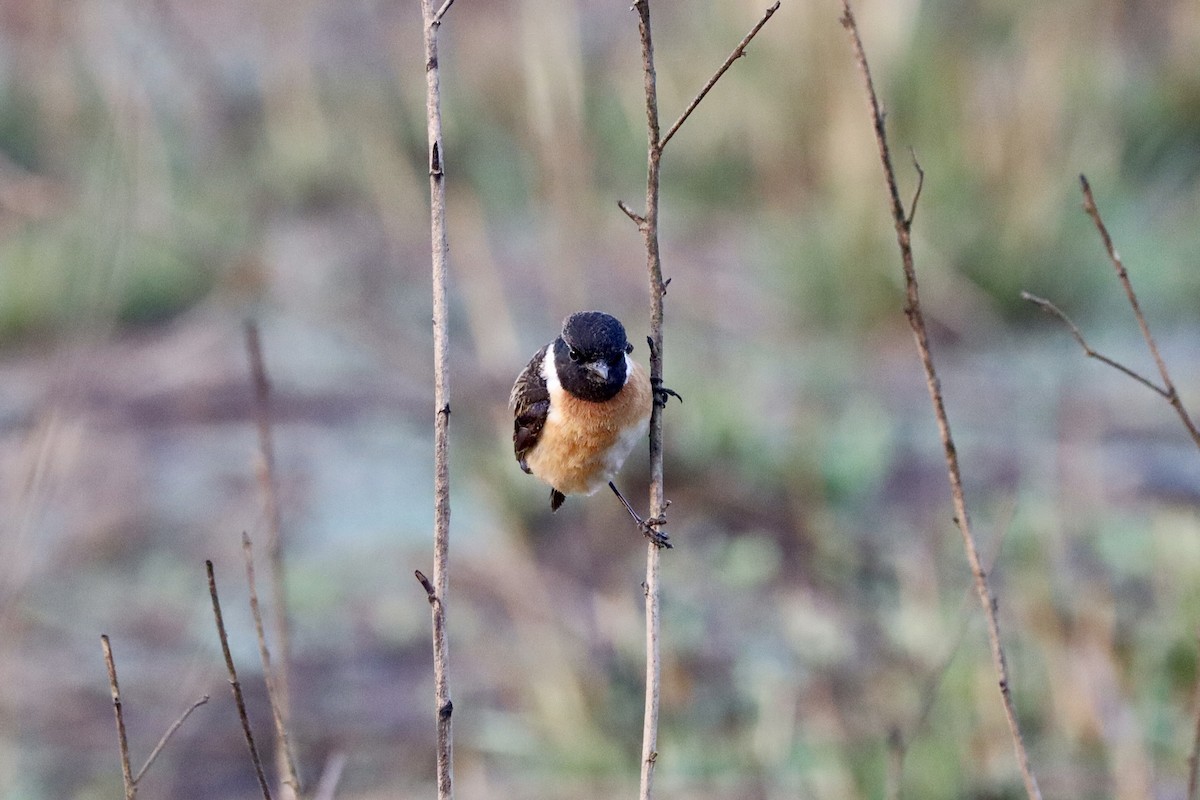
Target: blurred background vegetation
(169, 169)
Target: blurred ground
(170, 170)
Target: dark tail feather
(556, 499)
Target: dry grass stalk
(286, 762)
(916, 320)
(279, 678)
(234, 685)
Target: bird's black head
(590, 355)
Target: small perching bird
(579, 408)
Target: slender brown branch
(279, 680)
(166, 737)
(287, 762)
(648, 226)
(441, 399)
(737, 53)
(234, 685)
(122, 741)
(1055, 311)
(1089, 205)
(903, 225)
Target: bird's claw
(650, 528)
(662, 394)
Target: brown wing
(530, 404)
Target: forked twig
(1089, 205)
(287, 763)
(234, 685)
(903, 225)
(130, 780)
(1167, 391)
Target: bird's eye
(629, 348)
(574, 354)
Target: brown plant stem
(286, 762)
(433, 17)
(234, 685)
(279, 680)
(647, 224)
(916, 320)
(122, 741)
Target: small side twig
(234, 685)
(916, 320)
(288, 763)
(737, 53)
(166, 737)
(1055, 311)
(122, 741)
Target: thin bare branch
(279, 680)
(916, 321)
(1089, 205)
(166, 737)
(737, 53)
(648, 225)
(234, 685)
(122, 741)
(287, 762)
(440, 256)
(1055, 311)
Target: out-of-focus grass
(203, 158)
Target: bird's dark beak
(597, 370)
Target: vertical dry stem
(286, 764)
(234, 685)
(122, 742)
(432, 16)
(647, 223)
(279, 679)
(912, 310)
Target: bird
(579, 408)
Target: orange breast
(583, 443)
